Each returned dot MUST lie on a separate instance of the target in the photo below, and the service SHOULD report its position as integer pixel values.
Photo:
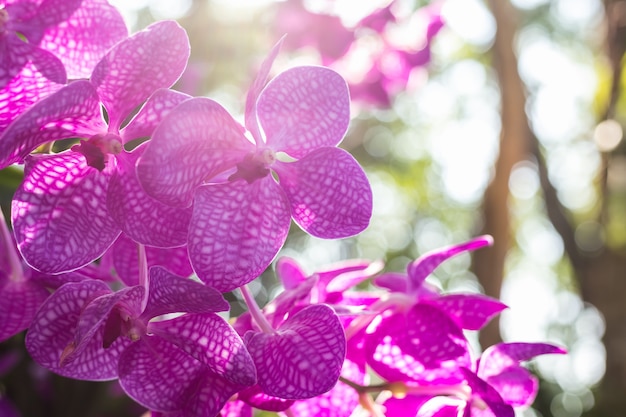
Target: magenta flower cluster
(141, 206)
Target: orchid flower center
(254, 166)
(4, 20)
(97, 148)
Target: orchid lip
(254, 166)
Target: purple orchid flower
(418, 333)
(193, 363)
(72, 206)
(498, 386)
(241, 217)
(41, 41)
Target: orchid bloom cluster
(141, 206)
(379, 54)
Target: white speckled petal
(52, 331)
(212, 341)
(329, 193)
(304, 357)
(59, 213)
(158, 375)
(136, 67)
(73, 111)
(303, 109)
(19, 301)
(141, 217)
(152, 112)
(173, 294)
(236, 230)
(85, 36)
(470, 311)
(194, 142)
(126, 261)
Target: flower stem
(255, 311)
(15, 262)
(143, 274)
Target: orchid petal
(329, 193)
(211, 340)
(290, 301)
(52, 12)
(516, 385)
(134, 68)
(126, 260)
(21, 92)
(304, 109)
(19, 301)
(255, 397)
(423, 266)
(498, 357)
(251, 121)
(488, 394)
(289, 272)
(408, 406)
(236, 230)
(195, 141)
(52, 333)
(173, 294)
(469, 311)
(73, 111)
(157, 374)
(349, 274)
(85, 36)
(16, 54)
(441, 406)
(423, 345)
(59, 213)
(141, 217)
(161, 102)
(213, 393)
(236, 408)
(393, 281)
(303, 358)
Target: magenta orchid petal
(125, 260)
(52, 332)
(409, 406)
(22, 91)
(256, 398)
(85, 36)
(487, 394)
(194, 142)
(16, 54)
(157, 374)
(499, 357)
(516, 385)
(329, 193)
(304, 109)
(423, 345)
(59, 213)
(236, 409)
(349, 274)
(73, 111)
(19, 301)
(304, 357)
(393, 281)
(469, 311)
(134, 68)
(441, 407)
(173, 294)
(211, 340)
(289, 272)
(141, 217)
(211, 397)
(251, 121)
(161, 102)
(423, 266)
(236, 230)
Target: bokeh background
(502, 117)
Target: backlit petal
(255, 397)
(516, 385)
(236, 230)
(498, 357)
(136, 67)
(289, 272)
(59, 213)
(329, 193)
(194, 142)
(469, 311)
(304, 357)
(303, 109)
(19, 301)
(73, 111)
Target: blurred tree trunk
(489, 262)
(602, 274)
